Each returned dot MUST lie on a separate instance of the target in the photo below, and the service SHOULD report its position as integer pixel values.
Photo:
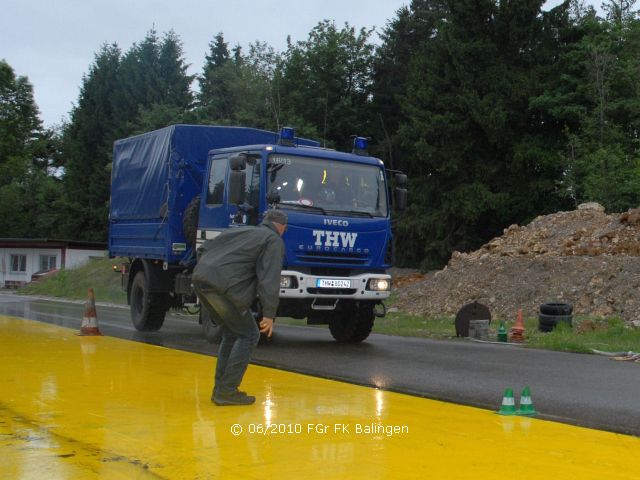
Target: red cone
(90, 319)
(517, 331)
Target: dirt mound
(584, 257)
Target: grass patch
(73, 284)
(587, 333)
(402, 324)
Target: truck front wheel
(352, 325)
(147, 309)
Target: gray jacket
(244, 263)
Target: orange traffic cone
(517, 331)
(89, 324)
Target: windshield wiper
(359, 213)
(303, 206)
(350, 213)
(344, 213)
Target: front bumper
(306, 286)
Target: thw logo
(329, 238)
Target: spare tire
(190, 221)
(547, 323)
(556, 308)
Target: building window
(18, 263)
(47, 263)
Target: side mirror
(273, 197)
(236, 187)
(238, 162)
(401, 199)
(401, 179)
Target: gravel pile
(585, 257)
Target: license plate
(329, 283)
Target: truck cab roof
(303, 150)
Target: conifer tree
(29, 192)
(481, 157)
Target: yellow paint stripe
(98, 407)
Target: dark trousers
(240, 336)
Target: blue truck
(174, 188)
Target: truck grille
(333, 258)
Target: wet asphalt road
(587, 390)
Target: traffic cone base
(89, 325)
(508, 406)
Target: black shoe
(215, 392)
(236, 398)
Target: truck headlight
(287, 281)
(379, 284)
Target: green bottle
(502, 332)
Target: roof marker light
(287, 137)
(360, 145)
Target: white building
(20, 258)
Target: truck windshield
(327, 185)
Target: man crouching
(234, 268)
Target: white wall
(74, 258)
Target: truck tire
(190, 221)
(352, 325)
(364, 324)
(147, 309)
(547, 323)
(210, 329)
(556, 308)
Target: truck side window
(252, 188)
(215, 191)
(252, 182)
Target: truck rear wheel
(352, 325)
(147, 309)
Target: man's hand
(266, 326)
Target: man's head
(278, 218)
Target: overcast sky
(53, 42)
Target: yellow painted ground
(98, 407)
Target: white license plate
(329, 283)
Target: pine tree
(173, 73)
(29, 192)
(174, 100)
(19, 123)
(480, 156)
(402, 39)
(87, 144)
(214, 101)
(327, 80)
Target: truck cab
(339, 241)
